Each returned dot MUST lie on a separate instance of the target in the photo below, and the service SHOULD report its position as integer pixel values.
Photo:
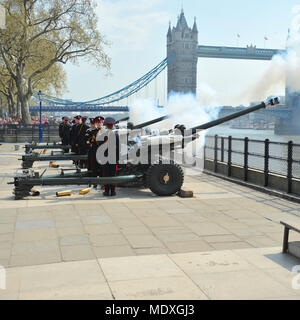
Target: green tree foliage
(40, 36)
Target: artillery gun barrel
(149, 123)
(208, 125)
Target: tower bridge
(182, 42)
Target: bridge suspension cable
(119, 95)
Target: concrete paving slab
(210, 262)
(76, 253)
(139, 267)
(70, 231)
(138, 241)
(135, 230)
(74, 240)
(221, 238)
(71, 280)
(35, 235)
(188, 246)
(6, 228)
(34, 247)
(268, 258)
(240, 285)
(165, 288)
(151, 251)
(101, 229)
(35, 259)
(108, 240)
(113, 251)
(35, 224)
(207, 229)
(231, 245)
(181, 237)
(262, 241)
(94, 220)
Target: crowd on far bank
(35, 120)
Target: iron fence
(19, 132)
(281, 158)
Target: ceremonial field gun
(163, 179)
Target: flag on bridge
(266, 38)
(238, 36)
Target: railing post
(267, 155)
(246, 147)
(290, 166)
(229, 155)
(222, 149)
(16, 132)
(216, 154)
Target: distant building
(182, 42)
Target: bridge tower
(183, 42)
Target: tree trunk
(26, 118)
(18, 108)
(23, 100)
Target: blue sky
(137, 32)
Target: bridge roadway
(82, 108)
(248, 53)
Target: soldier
(73, 132)
(64, 132)
(90, 135)
(80, 140)
(109, 140)
(60, 127)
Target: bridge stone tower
(183, 42)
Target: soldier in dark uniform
(80, 140)
(73, 132)
(64, 132)
(110, 139)
(90, 136)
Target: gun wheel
(164, 179)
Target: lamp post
(41, 126)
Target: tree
(41, 34)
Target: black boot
(113, 191)
(106, 191)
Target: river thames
(255, 147)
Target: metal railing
(18, 132)
(280, 158)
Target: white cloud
(129, 24)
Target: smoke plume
(184, 108)
(284, 69)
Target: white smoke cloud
(283, 69)
(184, 108)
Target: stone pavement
(135, 245)
(227, 274)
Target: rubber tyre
(155, 182)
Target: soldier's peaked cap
(109, 121)
(92, 120)
(99, 119)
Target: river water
(257, 161)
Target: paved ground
(135, 246)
